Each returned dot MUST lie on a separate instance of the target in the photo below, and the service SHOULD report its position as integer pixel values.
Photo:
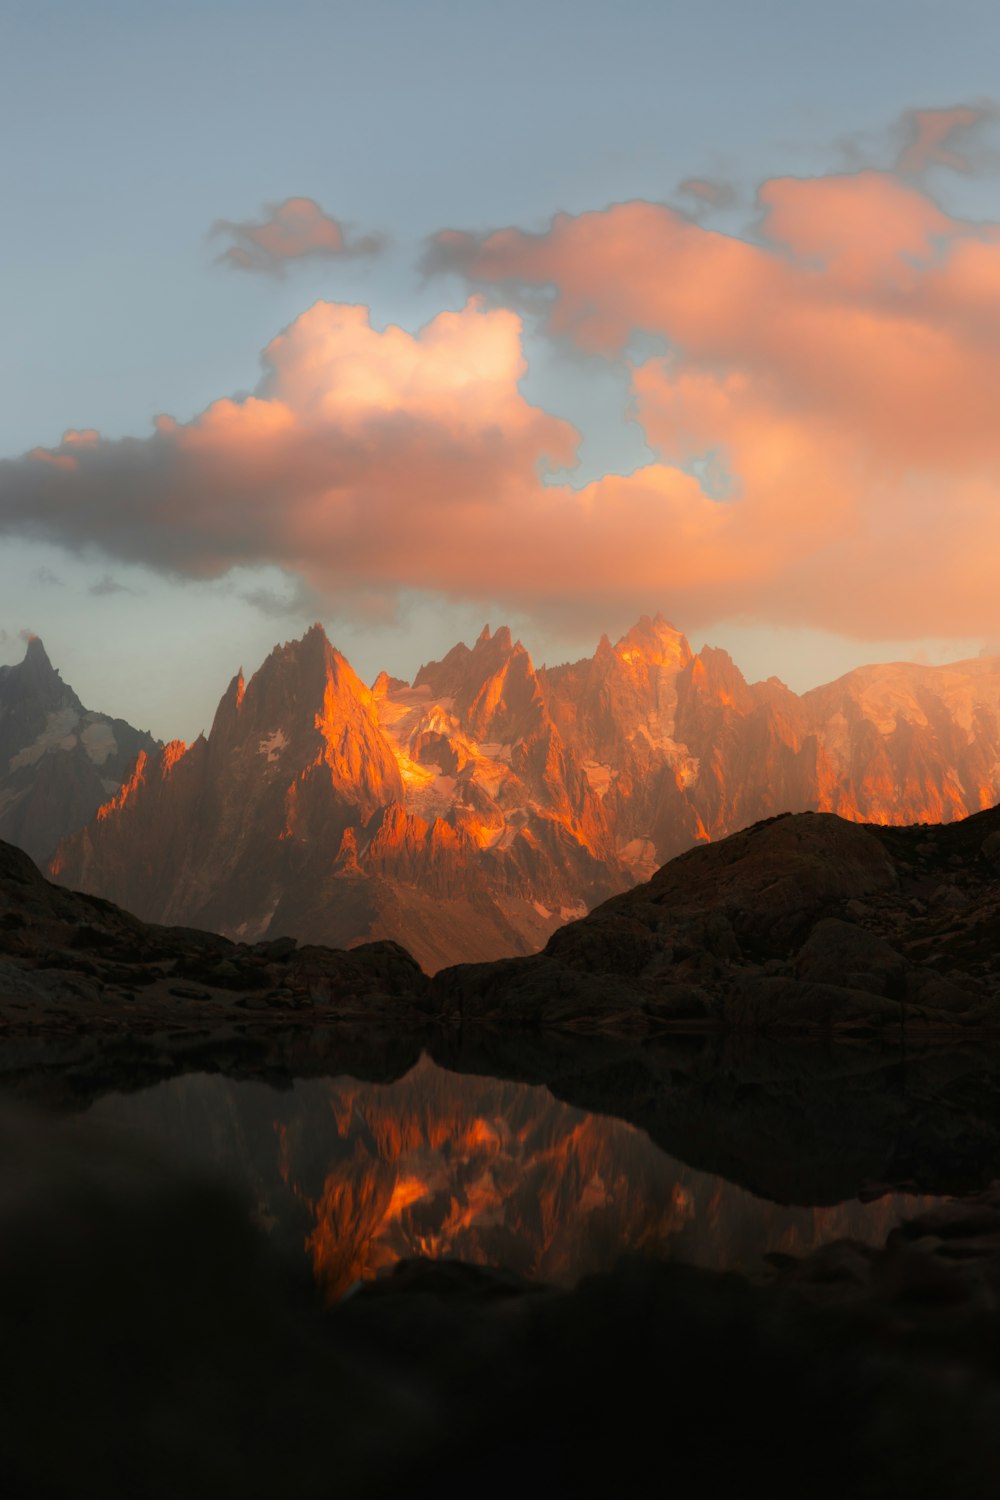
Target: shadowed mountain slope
(59, 761)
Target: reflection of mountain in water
(440, 1164)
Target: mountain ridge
(470, 813)
(59, 761)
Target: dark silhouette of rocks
(805, 927)
(803, 923)
(69, 962)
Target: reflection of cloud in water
(361, 1175)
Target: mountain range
(59, 761)
(471, 812)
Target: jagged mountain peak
(36, 652)
(499, 639)
(476, 807)
(304, 705)
(492, 689)
(385, 684)
(462, 674)
(34, 678)
(58, 760)
(304, 669)
(715, 678)
(656, 642)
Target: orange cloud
(296, 229)
(823, 425)
(367, 461)
(840, 369)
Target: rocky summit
(59, 761)
(473, 812)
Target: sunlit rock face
(469, 814)
(450, 812)
(59, 761)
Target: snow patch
(640, 856)
(599, 775)
(273, 745)
(99, 742)
(429, 791)
(493, 750)
(57, 735)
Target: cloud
(942, 137)
(367, 462)
(296, 601)
(841, 363)
(296, 229)
(706, 194)
(106, 586)
(47, 579)
(822, 420)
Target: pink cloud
(296, 229)
(837, 369)
(843, 363)
(368, 462)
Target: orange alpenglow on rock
(472, 813)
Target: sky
(411, 315)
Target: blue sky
(130, 129)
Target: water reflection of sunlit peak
(498, 1173)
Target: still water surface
(356, 1176)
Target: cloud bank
(296, 229)
(823, 420)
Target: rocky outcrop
(805, 923)
(801, 923)
(59, 761)
(72, 962)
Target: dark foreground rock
(70, 961)
(803, 923)
(153, 1346)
